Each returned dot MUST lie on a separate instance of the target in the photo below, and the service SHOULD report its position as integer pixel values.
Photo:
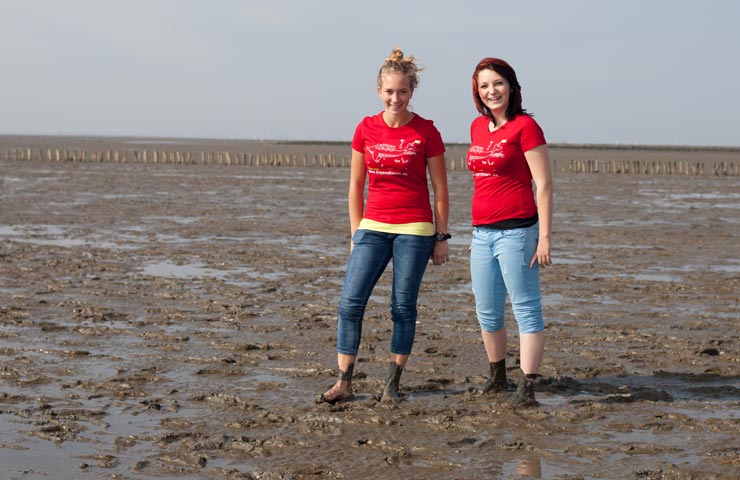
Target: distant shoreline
(585, 146)
(6, 139)
(577, 158)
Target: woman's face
(494, 90)
(395, 92)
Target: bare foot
(341, 391)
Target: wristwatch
(442, 236)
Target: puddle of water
(704, 196)
(127, 424)
(564, 260)
(725, 268)
(466, 288)
(97, 369)
(32, 230)
(11, 291)
(191, 271)
(533, 468)
(555, 299)
(727, 205)
(174, 219)
(231, 466)
(666, 274)
(170, 239)
(68, 243)
(12, 179)
(511, 466)
(34, 457)
(655, 277)
(243, 277)
(52, 235)
(644, 277)
(7, 231)
(596, 222)
(38, 458)
(710, 411)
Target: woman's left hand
(542, 255)
(440, 254)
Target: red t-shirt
(396, 161)
(501, 177)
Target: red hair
(505, 70)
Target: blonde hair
(397, 63)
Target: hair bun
(396, 62)
(396, 55)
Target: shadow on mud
(662, 386)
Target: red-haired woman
(512, 227)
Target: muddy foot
(340, 392)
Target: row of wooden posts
(331, 160)
(272, 159)
(174, 157)
(653, 167)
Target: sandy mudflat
(176, 321)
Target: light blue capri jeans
(499, 263)
(372, 252)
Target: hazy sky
(592, 71)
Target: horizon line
(169, 139)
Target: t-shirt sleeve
(358, 140)
(435, 145)
(532, 135)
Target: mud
(177, 321)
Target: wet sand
(177, 321)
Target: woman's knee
(350, 310)
(404, 313)
(529, 316)
(490, 324)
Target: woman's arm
(538, 160)
(438, 174)
(356, 198)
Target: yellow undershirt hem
(424, 229)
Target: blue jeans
(370, 256)
(499, 262)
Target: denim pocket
(359, 234)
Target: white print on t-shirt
(485, 157)
(387, 159)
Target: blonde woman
(392, 151)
